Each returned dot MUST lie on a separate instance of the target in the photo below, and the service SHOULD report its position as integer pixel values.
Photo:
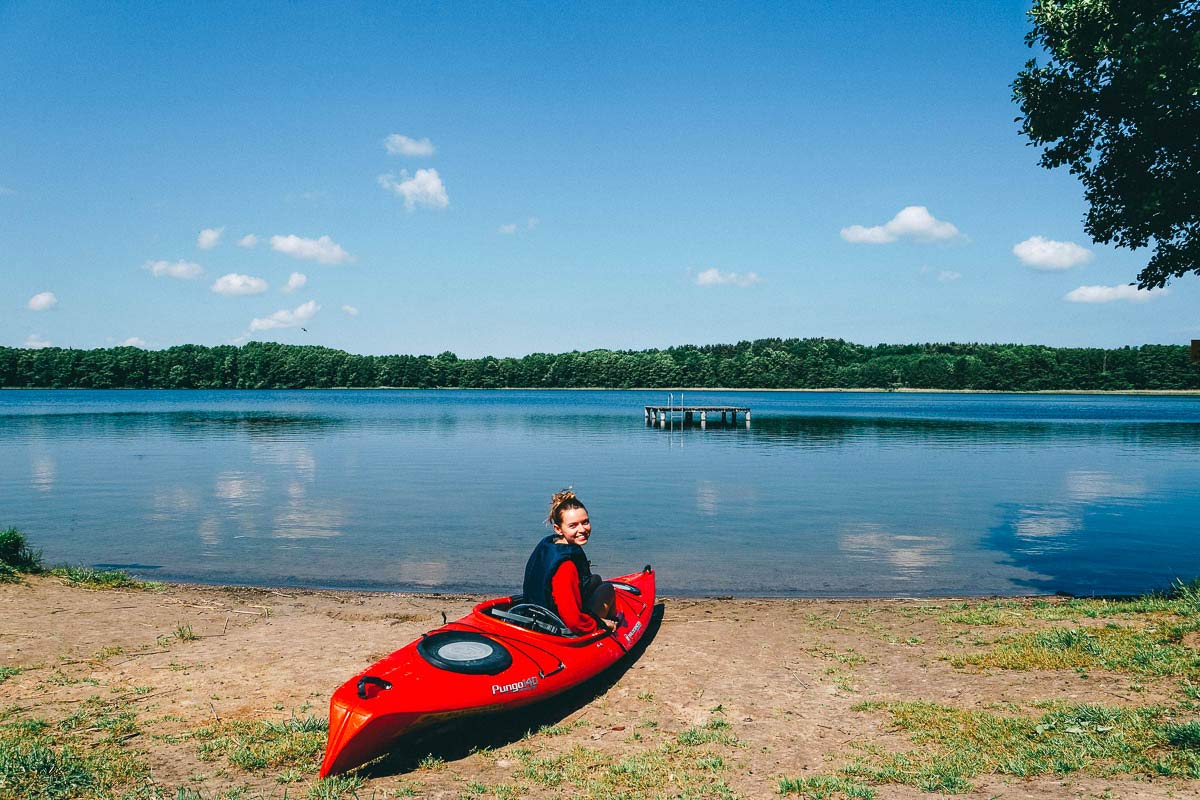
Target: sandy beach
(728, 698)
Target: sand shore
(728, 698)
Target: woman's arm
(564, 586)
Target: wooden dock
(660, 415)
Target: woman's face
(575, 526)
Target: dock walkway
(661, 414)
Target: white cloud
(1050, 256)
(1110, 294)
(286, 319)
(947, 275)
(4, 190)
(42, 301)
(134, 341)
(209, 238)
(351, 310)
(513, 227)
(858, 234)
(185, 270)
(35, 342)
(324, 250)
(296, 280)
(914, 222)
(233, 283)
(423, 189)
(398, 145)
(714, 277)
(249, 240)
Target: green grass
(1182, 599)
(254, 745)
(1154, 651)
(9, 672)
(16, 556)
(557, 730)
(335, 788)
(91, 578)
(714, 731)
(826, 787)
(954, 746)
(689, 765)
(88, 754)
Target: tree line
(760, 364)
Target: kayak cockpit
(530, 617)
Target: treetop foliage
(1119, 104)
(760, 364)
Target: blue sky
(507, 178)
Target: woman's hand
(611, 624)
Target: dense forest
(765, 363)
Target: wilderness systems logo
(633, 631)
(520, 686)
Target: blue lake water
(822, 494)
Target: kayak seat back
(531, 616)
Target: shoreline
(722, 389)
(222, 691)
(477, 596)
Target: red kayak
(503, 655)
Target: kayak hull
(485, 664)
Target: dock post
(733, 416)
(747, 418)
(687, 417)
(722, 417)
(647, 413)
(703, 419)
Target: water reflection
(1088, 486)
(1103, 533)
(909, 554)
(1044, 524)
(187, 425)
(830, 431)
(43, 472)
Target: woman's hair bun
(563, 499)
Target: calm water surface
(823, 494)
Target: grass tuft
(954, 745)
(16, 556)
(692, 770)
(92, 578)
(253, 745)
(826, 787)
(86, 755)
(335, 787)
(715, 731)
(1156, 651)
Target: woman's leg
(600, 598)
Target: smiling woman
(558, 576)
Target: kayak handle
(370, 680)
